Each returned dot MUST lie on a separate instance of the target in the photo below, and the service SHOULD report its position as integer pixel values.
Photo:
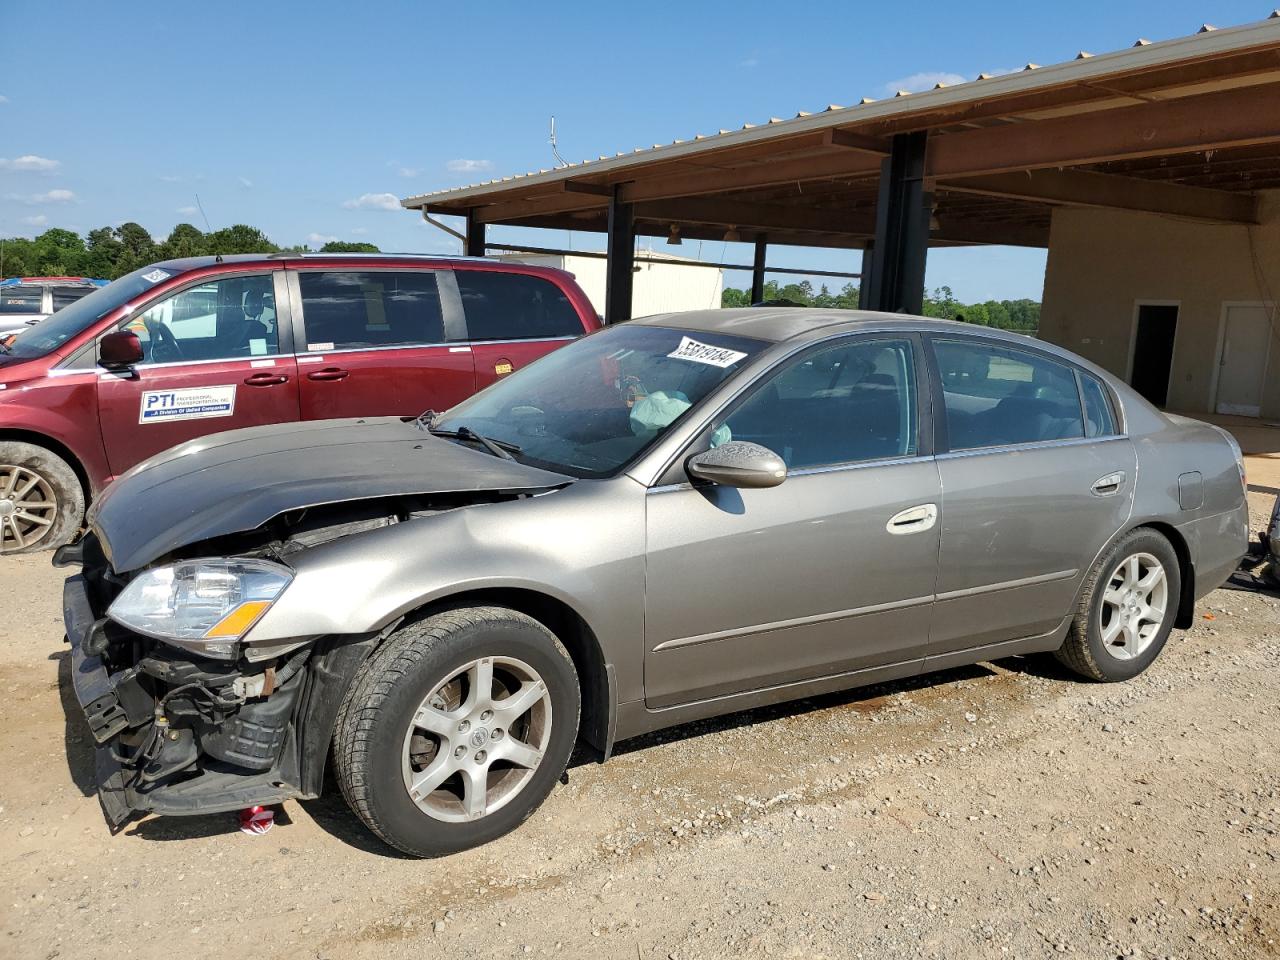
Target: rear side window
(20, 299)
(1099, 420)
(343, 310)
(63, 296)
(996, 396)
(513, 306)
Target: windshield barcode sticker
(155, 276)
(691, 349)
(195, 403)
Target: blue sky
(300, 118)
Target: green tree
(343, 246)
(239, 238)
(102, 254)
(732, 297)
(184, 241)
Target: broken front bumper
(117, 709)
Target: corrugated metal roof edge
(1208, 41)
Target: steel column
(903, 208)
(474, 246)
(620, 267)
(757, 271)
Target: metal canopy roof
(1188, 127)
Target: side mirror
(738, 464)
(119, 350)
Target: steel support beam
(474, 245)
(903, 208)
(757, 270)
(620, 266)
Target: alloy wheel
(28, 507)
(475, 741)
(1133, 606)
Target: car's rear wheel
(1126, 610)
(41, 501)
(457, 729)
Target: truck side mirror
(119, 350)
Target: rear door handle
(265, 379)
(913, 519)
(1109, 485)
(329, 373)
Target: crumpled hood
(237, 481)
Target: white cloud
(39, 220)
(408, 172)
(319, 239)
(35, 199)
(30, 163)
(187, 211)
(245, 181)
(3, 98)
(170, 178)
(919, 82)
(749, 63)
(373, 201)
(469, 166)
(360, 231)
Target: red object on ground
(257, 820)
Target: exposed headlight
(204, 606)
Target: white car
(28, 300)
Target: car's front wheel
(41, 500)
(1126, 610)
(457, 729)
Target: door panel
(157, 407)
(217, 358)
(373, 343)
(750, 588)
(1020, 529)
(493, 361)
(1243, 365)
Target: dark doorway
(1153, 351)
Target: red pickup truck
(185, 348)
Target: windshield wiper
(499, 448)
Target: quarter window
(344, 310)
(514, 306)
(995, 396)
(1099, 420)
(840, 404)
(220, 320)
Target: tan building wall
(1102, 263)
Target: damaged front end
(186, 717)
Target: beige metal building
(1151, 174)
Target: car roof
(195, 263)
(53, 281)
(777, 324)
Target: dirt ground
(1003, 810)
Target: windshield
(50, 334)
(592, 407)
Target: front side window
(996, 396)
(225, 319)
(514, 306)
(847, 403)
(349, 310)
(65, 296)
(595, 405)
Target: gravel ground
(1002, 810)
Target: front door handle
(1109, 485)
(913, 519)
(265, 379)
(329, 373)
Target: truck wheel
(1126, 610)
(456, 730)
(41, 501)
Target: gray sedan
(674, 518)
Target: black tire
(1084, 650)
(375, 717)
(56, 479)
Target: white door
(1243, 364)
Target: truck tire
(1126, 610)
(41, 500)
(456, 729)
